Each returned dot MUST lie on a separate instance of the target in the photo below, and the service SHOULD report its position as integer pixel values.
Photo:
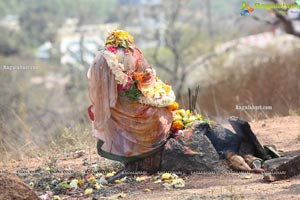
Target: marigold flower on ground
(88, 191)
(166, 176)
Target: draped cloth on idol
(126, 129)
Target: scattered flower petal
(56, 197)
(110, 174)
(158, 181)
(178, 183)
(166, 176)
(88, 191)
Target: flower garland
(119, 38)
(116, 67)
(160, 95)
(157, 94)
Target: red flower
(174, 134)
(112, 49)
(127, 86)
(126, 51)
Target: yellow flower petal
(98, 186)
(56, 197)
(178, 183)
(117, 181)
(88, 191)
(140, 179)
(166, 176)
(110, 174)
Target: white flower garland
(116, 67)
(158, 95)
(161, 95)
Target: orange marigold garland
(174, 106)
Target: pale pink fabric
(127, 128)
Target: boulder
(281, 168)
(250, 144)
(223, 139)
(271, 165)
(12, 187)
(191, 152)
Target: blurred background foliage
(188, 42)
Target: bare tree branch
(155, 57)
(203, 59)
(256, 18)
(284, 20)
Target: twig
(190, 99)
(195, 100)
(201, 60)
(256, 18)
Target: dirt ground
(283, 132)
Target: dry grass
(35, 118)
(271, 79)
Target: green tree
(40, 22)
(11, 42)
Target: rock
(282, 168)
(272, 151)
(250, 144)
(223, 139)
(191, 152)
(12, 187)
(270, 165)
